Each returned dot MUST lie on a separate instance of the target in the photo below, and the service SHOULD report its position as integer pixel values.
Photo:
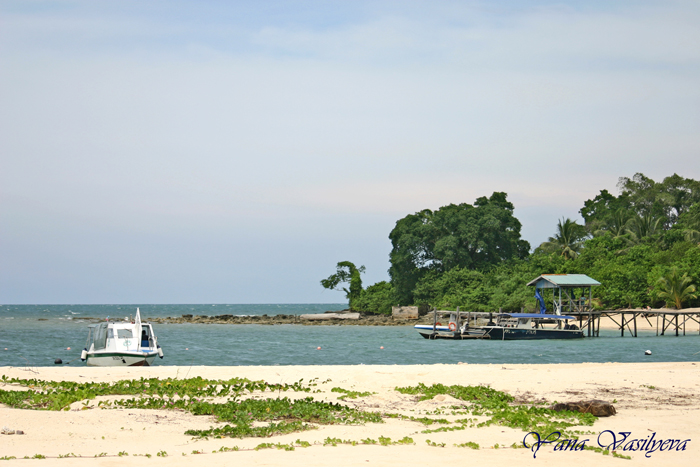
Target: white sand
(671, 409)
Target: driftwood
(329, 316)
(595, 407)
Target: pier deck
(675, 321)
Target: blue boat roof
(536, 315)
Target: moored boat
(460, 325)
(527, 326)
(121, 343)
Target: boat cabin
(120, 336)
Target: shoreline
(606, 323)
(661, 398)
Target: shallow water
(37, 335)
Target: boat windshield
(125, 333)
(100, 336)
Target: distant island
(643, 246)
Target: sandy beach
(650, 398)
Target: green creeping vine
(498, 406)
(383, 441)
(58, 395)
(293, 415)
(351, 394)
(282, 414)
(468, 444)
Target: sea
(38, 335)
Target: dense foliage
(454, 236)
(643, 246)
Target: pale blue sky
(234, 152)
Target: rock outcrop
(595, 407)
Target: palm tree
(674, 289)
(640, 228)
(616, 225)
(568, 239)
(643, 226)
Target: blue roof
(535, 315)
(551, 281)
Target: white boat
(121, 343)
(461, 325)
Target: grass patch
(195, 395)
(351, 394)
(468, 444)
(499, 408)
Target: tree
(597, 212)
(456, 235)
(642, 227)
(680, 195)
(377, 298)
(675, 289)
(617, 224)
(689, 224)
(346, 272)
(641, 196)
(568, 240)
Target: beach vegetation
(242, 417)
(445, 429)
(434, 444)
(499, 408)
(347, 393)
(468, 444)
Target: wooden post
(622, 325)
(588, 324)
(676, 324)
(635, 325)
(457, 323)
(663, 324)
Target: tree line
(643, 246)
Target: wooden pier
(667, 320)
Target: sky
(234, 152)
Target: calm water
(36, 335)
